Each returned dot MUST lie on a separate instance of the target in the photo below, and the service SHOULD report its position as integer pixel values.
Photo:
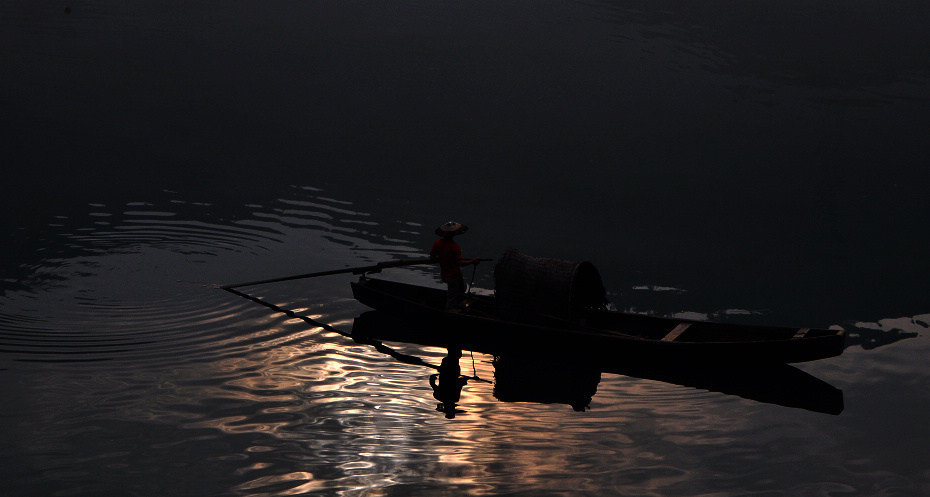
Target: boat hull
(619, 336)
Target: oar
(378, 345)
(354, 270)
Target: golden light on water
(285, 398)
(309, 484)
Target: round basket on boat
(547, 287)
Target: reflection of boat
(524, 378)
(548, 373)
(613, 334)
(779, 384)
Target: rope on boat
(474, 269)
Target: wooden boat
(484, 326)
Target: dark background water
(759, 162)
(767, 155)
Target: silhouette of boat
(614, 334)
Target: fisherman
(449, 255)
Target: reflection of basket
(550, 381)
(551, 287)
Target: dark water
(743, 161)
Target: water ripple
(162, 367)
(115, 289)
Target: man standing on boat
(449, 255)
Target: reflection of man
(449, 255)
(448, 390)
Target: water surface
(749, 163)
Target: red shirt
(450, 257)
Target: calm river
(753, 162)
